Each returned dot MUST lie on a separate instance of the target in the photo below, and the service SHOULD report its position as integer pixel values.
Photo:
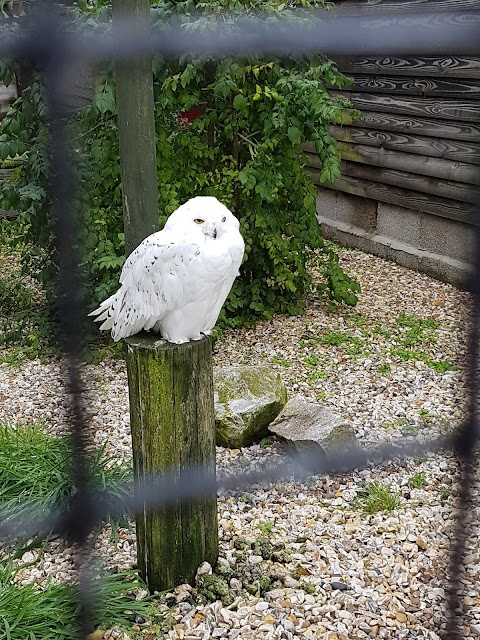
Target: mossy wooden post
(173, 427)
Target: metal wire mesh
(55, 52)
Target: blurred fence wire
(55, 50)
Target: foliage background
(231, 128)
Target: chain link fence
(55, 50)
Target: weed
(393, 424)
(441, 366)
(417, 331)
(335, 338)
(312, 360)
(405, 354)
(266, 442)
(308, 587)
(265, 527)
(376, 497)
(357, 320)
(355, 346)
(277, 360)
(445, 492)
(426, 415)
(384, 368)
(357, 349)
(410, 429)
(311, 342)
(408, 353)
(316, 375)
(418, 480)
(416, 323)
(95, 356)
(380, 331)
(25, 323)
(14, 295)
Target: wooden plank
(425, 184)
(402, 197)
(435, 167)
(9, 215)
(431, 147)
(172, 418)
(79, 93)
(448, 129)
(7, 96)
(439, 67)
(436, 107)
(392, 85)
(369, 7)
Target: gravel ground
(393, 366)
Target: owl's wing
(151, 285)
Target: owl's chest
(213, 257)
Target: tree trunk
(136, 132)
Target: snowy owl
(176, 280)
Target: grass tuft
(36, 472)
(418, 480)
(377, 497)
(30, 613)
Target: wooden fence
(7, 96)
(417, 144)
(411, 162)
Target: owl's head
(203, 215)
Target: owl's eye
(199, 221)
(224, 219)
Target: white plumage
(176, 280)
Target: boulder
(247, 399)
(303, 425)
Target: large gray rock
(247, 399)
(303, 425)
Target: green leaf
(104, 98)
(294, 135)
(239, 102)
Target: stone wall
(437, 246)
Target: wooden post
(173, 427)
(136, 132)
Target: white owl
(176, 280)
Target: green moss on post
(173, 427)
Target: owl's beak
(211, 231)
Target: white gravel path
(390, 566)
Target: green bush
(232, 128)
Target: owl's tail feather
(107, 310)
(104, 307)
(124, 317)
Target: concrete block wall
(437, 246)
